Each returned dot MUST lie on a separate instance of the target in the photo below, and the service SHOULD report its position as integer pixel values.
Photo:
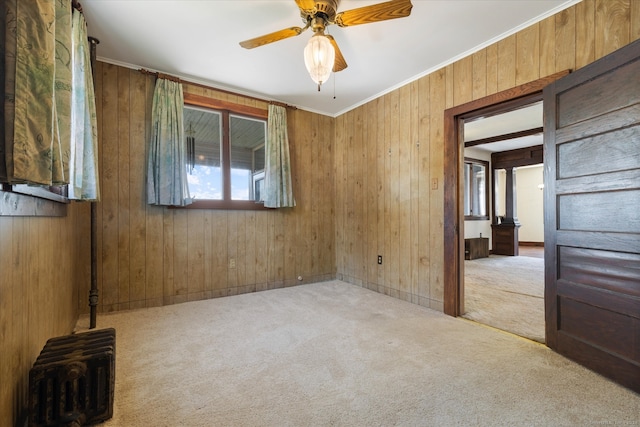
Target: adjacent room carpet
(507, 293)
(334, 354)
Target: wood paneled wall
(367, 183)
(389, 152)
(43, 261)
(150, 256)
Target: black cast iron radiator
(72, 381)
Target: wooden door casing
(592, 216)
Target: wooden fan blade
(339, 63)
(306, 6)
(377, 12)
(272, 37)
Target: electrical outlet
(232, 263)
(380, 259)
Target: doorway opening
(454, 242)
(504, 281)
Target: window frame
(226, 109)
(473, 188)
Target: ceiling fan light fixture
(319, 57)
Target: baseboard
(539, 244)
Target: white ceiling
(197, 40)
(526, 118)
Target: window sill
(476, 218)
(23, 200)
(240, 205)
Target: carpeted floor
(507, 293)
(334, 354)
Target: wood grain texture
(43, 261)
(528, 54)
(612, 25)
(591, 274)
(547, 45)
(564, 41)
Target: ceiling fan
(322, 54)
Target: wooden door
(592, 216)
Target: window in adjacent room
(225, 158)
(476, 189)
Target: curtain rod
(160, 75)
(177, 79)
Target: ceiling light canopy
(319, 57)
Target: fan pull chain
(334, 85)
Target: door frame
(453, 162)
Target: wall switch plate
(380, 259)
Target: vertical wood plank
(612, 25)
(357, 198)
(261, 250)
(389, 224)
(123, 186)
(219, 260)
(547, 46)
(492, 68)
(414, 143)
(137, 196)
(195, 255)
(315, 190)
(180, 259)
(463, 80)
(405, 150)
(307, 135)
(585, 36)
(326, 180)
(208, 249)
(381, 186)
(565, 40)
(241, 250)
(250, 248)
(7, 320)
(424, 228)
(168, 278)
(232, 250)
(338, 191)
(506, 63)
(479, 60)
(437, 96)
(635, 21)
(277, 259)
(371, 184)
(528, 54)
(393, 225)
(450, 85)
(109, 190)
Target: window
(225, 156)
(476, 189)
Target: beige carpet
(334, 354)
(507, 293)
